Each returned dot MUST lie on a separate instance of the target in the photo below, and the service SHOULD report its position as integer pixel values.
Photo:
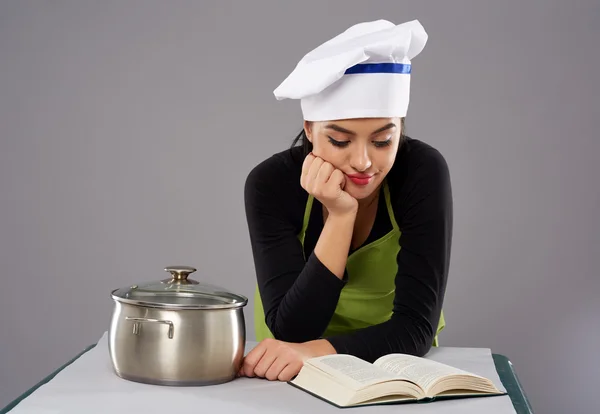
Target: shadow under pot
(177, 331)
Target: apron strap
(307, 211)
(388, 203)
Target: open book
(346, 381)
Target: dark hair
(307, 145)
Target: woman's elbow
(423, 348)
(415, 340)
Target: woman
(351, 231)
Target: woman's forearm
(334, 242)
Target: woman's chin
(360, 192)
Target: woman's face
(363, 149)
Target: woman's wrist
(344, 221)
(320, 347)
(348, 215)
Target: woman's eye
(382, 143)
(338, 143)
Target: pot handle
(137, 321)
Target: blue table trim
(504, 367)
(513, 386)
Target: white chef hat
(363, 72)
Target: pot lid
(180, 292)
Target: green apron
(368, 297)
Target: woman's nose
(360, 160)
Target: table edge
(47, 379)
(510, 380)
(504, 367)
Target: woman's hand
(278, 360)
(326, 183)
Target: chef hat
(363, 72)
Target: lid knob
(180, 273)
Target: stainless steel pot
(177, 331)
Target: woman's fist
(326, 183)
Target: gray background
(128, 128)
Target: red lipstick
(360, 179)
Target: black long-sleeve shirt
(300, 296)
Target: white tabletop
(90, 386)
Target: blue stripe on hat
(403, 68)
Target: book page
(353, 371)
(422, 371)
